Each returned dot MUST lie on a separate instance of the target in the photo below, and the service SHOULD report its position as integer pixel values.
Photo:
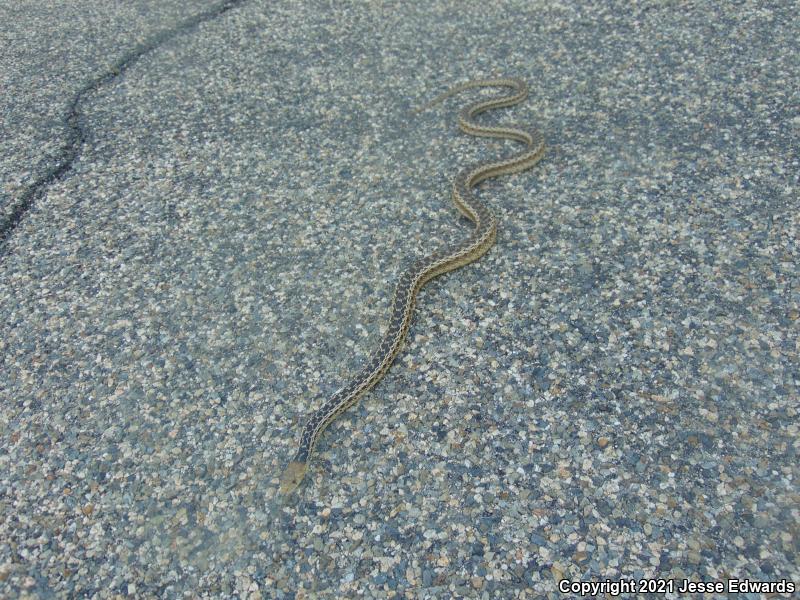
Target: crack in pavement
(76, 134)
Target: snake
(441, 261)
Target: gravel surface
(610, 393)
(55, 54)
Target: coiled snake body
(442, 261)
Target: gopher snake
(421, 271)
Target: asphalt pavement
(204, 209)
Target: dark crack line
(76, 134)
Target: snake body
(442, 261)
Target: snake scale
(442, 261)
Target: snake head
(292, 477)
